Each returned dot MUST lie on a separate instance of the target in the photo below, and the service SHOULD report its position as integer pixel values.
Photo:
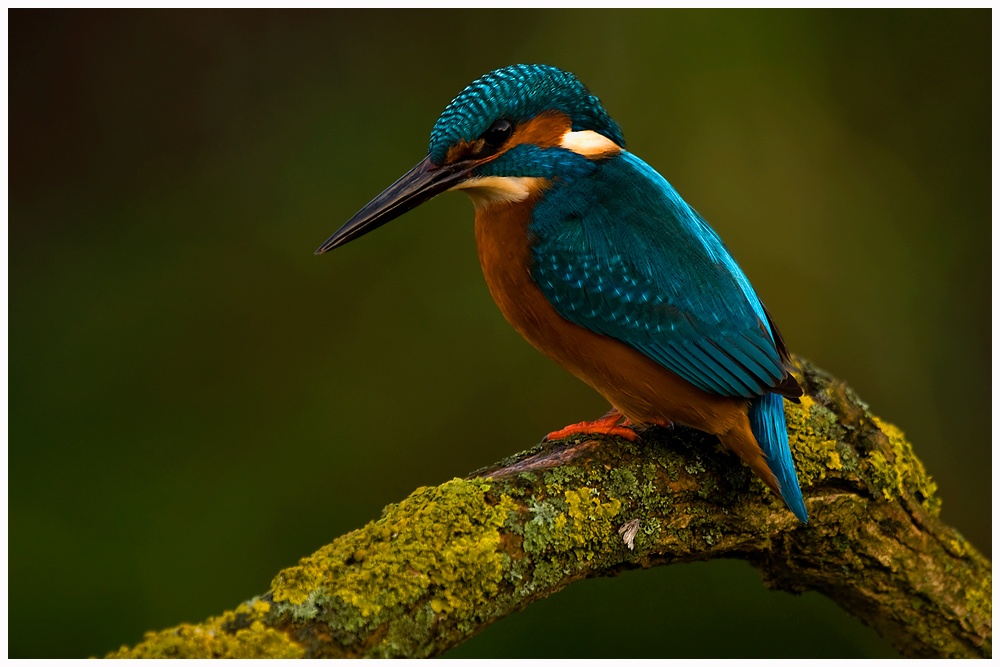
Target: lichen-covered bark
(447, 561)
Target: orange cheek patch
(545, 130)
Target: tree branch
(438, 567)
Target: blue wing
(619, 252)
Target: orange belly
(643, 390)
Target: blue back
(619, 252)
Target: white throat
(488, 190)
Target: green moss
(557, 479)
(904, 474)
(440, 543)
(517, 571)
(547, 574)
(622, 483)
(709, 487)
(648, 535)
(848, 458)
(644, 490)
(672, 463)
(660, 504)
(538, 532)
(695, 466)
(512, 524)
(234, 634)
(649, 477)
(408, 630)
(564, 532)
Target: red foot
(607, 425)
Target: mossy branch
(447, 561)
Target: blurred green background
(196, 401)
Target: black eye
(498, 133)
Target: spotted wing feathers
(607, 296)
(620, 253)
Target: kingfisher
(597, 261)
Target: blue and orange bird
(598, 262)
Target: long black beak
(419, 184)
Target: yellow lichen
(809, 437)
(586, 524)
(906, 473)
(833, 462)
(958, 547)
(885, 475)
(441, 540)
(979, 601)
(234, 634)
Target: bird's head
(505, 134)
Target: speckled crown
(517, 93)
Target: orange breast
(640, 388)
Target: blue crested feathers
(517, 93)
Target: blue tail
(767, 421)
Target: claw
(606, 425)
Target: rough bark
(447, 561)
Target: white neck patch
(487, 190)
(589, 144)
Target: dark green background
(197, 401)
